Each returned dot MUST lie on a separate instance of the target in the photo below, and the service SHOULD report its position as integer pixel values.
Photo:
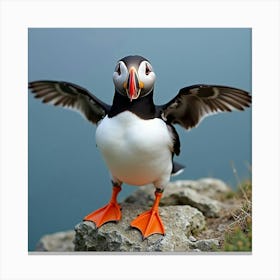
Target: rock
(180, 222)
(199, 194)
(192, 238)
(185, 196)
(57, 242)
(206, 245)
(196, 250)
(209, 187)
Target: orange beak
(133, 88)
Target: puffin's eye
(118, 69)
(148, 69)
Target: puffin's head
(134, 77)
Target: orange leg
(150, 222)
(108, 213)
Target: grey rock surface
(57, 242)
(200, 194)
(180, 222)
(210, 187)
(205, 245)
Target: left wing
(195, 102)
(70, 96)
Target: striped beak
(133, 86)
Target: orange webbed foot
(150, 222)
(109, 213)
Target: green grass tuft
(238, 236)
(239, 240)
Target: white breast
(136, 151)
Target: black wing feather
(70, 95)
(195, 102)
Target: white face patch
(120, 77)
(147, 76)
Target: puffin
(138, 139)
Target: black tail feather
(177, 168)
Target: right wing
(70, 96)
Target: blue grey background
(67, 177)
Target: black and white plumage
(148, 128)
(137, 138)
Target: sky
(67, 177)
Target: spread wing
(195, 102)
(70, 96)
